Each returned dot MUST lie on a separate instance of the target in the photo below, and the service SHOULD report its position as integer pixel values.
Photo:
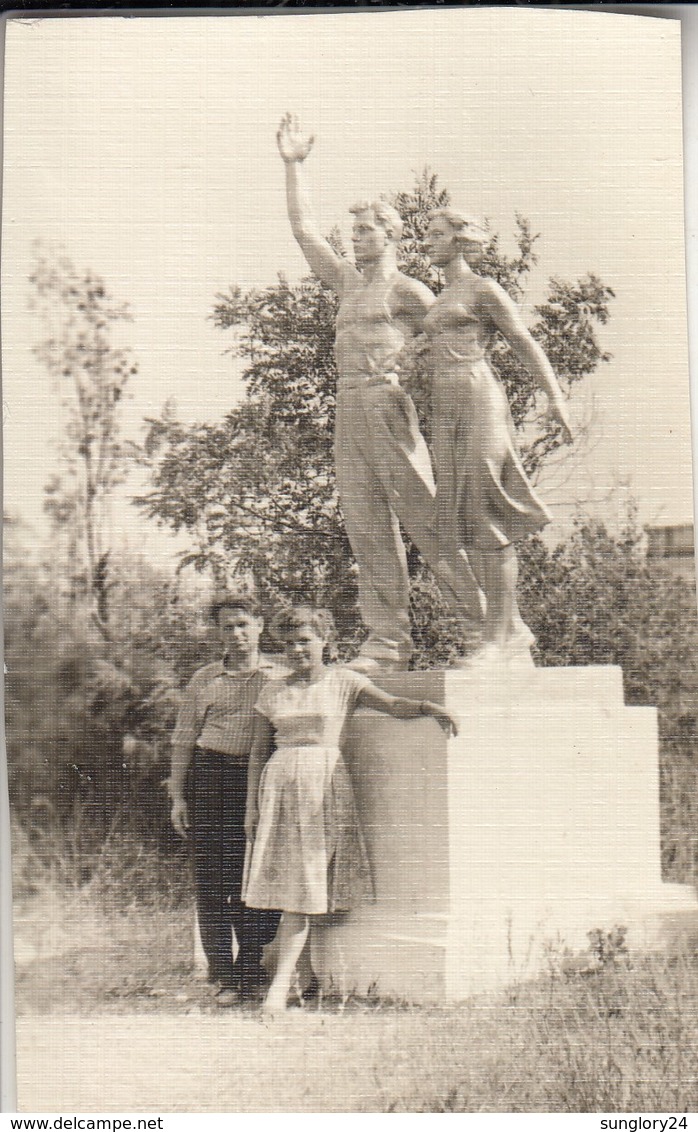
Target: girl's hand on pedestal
(445, 720)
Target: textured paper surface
(145, 148)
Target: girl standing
(306, 853)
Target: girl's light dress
(308, 854)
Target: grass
(73, 957)
(617, 1033)
(121, 939)
(621, 1038)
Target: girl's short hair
(297, 617)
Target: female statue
(484, 498)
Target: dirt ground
(111, 1016)
(228, 1063)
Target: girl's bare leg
(291, 939)
(304, 968)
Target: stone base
(537, 824)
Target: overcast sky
(145, 147)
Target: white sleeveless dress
(308, 854)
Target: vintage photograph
(350, 612)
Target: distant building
(673, 549)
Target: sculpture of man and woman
(467, 524)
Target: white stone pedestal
(538, 823)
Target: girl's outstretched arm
(402, 708)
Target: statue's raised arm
(294, 147)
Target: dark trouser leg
(211, 867)
(220, 794)
(254, 928)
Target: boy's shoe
(312, 991)
(227, 996)
(254, 983)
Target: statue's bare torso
(371, 328)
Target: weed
(605, 1035)
(608, 948)
(624, 1039)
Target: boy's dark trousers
(219, 797)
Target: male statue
(383, 468)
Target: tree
(256, 491)
(97, 640)
(90, 374)
(88, 722)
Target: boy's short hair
(246, 602)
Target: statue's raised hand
(293, 145)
